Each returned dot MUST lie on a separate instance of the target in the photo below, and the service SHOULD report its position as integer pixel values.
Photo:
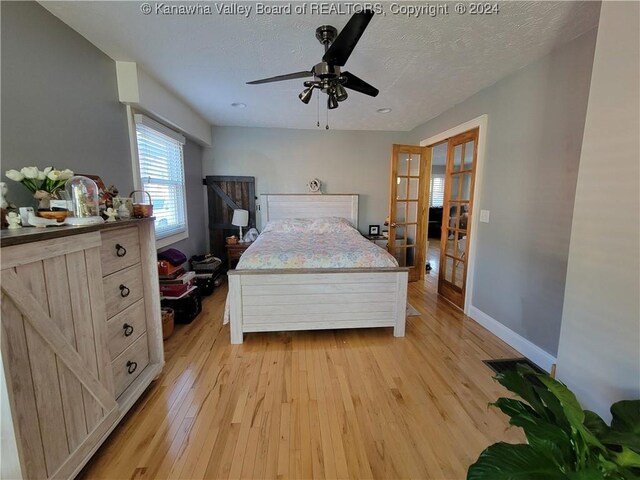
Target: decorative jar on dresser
(81, 340)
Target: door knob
(393, 225)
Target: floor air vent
(504, 364)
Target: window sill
(166, 241)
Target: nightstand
(379, 240)
(234, 252)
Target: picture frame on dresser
(374, 230)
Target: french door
(462, 153)
(410, 176)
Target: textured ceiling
(422, 66)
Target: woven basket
(167, 322)
(141, 210)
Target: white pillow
(288, 225)
(331, 225)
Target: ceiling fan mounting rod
(326, 34)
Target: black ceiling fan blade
(346, 41)
(279, 78)
(354, 83)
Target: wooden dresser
(81, 340)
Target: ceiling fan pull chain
(327, 126)
(318, 109)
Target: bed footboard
(284, 300)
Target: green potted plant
(565, 442)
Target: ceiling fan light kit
(327, 75)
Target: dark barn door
(224, 195)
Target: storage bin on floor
(186, 308)
(205, 283)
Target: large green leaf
(628, 474)
(568, 400)
(626, 416)
(609, 468)
(595, 474)
(575, 415)
(548, 439)
(591, 474)
(625, 434)
(616, 440)
(627, 458)
(554, 406)
(515, 381)
(504, 461)
(595, 423)
(513, 408)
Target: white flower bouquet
(48, 180)
(44, 184)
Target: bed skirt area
(316, 299)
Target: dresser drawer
(126, 327)
(129, 364)
(120, 249)
(122, 289)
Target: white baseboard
(533, 352)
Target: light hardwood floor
(329, 404)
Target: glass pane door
(458, 205)
(410, 175)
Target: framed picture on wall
(374, 230)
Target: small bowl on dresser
(59, 215)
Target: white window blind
(436, 193)
(161, 167)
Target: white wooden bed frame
(315, 299)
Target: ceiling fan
(327, 74)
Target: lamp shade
(240, 218)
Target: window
(436, 193)
(161, 168)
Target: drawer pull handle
(131, 366)
(128, 330)
(120, 250)
(124, 291)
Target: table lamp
(240, 219)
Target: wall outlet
(484, 216)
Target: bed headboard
(278, 206)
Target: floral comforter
(314, 250)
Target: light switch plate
(484, 216)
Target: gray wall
(197, 242)
(284, 160)
(60, 107)
(535, 126)
(599, 352)
(59, 102)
